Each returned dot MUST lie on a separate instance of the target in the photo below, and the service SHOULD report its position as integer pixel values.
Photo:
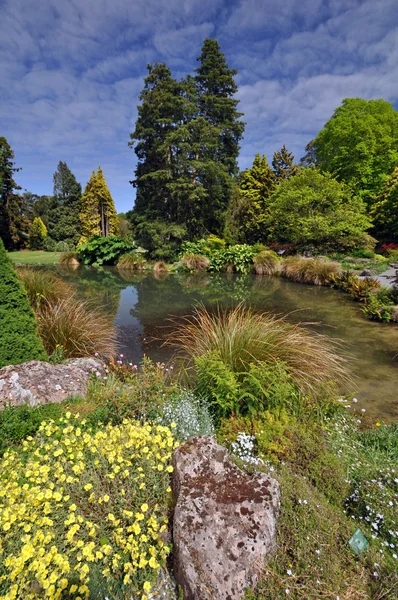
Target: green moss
(19, 340)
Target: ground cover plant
(19, 340)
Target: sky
(71, 72)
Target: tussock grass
(195, 262)
(242, 337)
(68, 258)
(75, 325)
(160, 267)
(309, 270)
(266, 262)
(42, 287)
(131, 262)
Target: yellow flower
(147, 586)
(144, 507)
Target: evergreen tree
(38, 232)
(309, 158)
(63, 215)
(248, 213)
(385, 210)
(283, 164)
(13, 223)
(98, 214)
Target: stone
(366, 273)
(224, 523)
(38, 382)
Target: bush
(189, 415)
(315, 271)
(19, 340)
(195, 262)
(266, 262)
(43, 287)
(378, 309)
(76, 327)
(361, 253)
(235, 259)
(241, 338)
(64, 246)
(132, 261)
(49, 244)
(100, 250)
(359, 289)
(68, 258)
(101, 497)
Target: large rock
(37, 382)
(224, 522)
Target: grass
(195, 262)
(68, 258)
(35, 257)
(266, 262)
(42, 286)
(242, 337)
(315, 271)
(131, 262)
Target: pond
(142, 304)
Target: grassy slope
(36, 257)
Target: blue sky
(71, 72)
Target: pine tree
(283, 164)
(38, 232)
(98, 214)
(63, 215)
(13, 224)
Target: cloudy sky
(71, 72)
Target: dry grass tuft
(309, 270)
(266, 262)
(132, 262)
(242, 337)
(69, 259)
(195, 262)
(42, 287)
(160, 267)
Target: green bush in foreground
(19, 340)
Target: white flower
(289, 572)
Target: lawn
(35, 257)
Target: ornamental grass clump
(83, 513)
(69, 258)
(315, 271)
(131, 262)
(77, 327)
(195, 262)
(266, 262)
(241, 338)
(43, 287)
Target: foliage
(19, 340)
(189, 414)
(359, 289)
(248, 212)
(13, 223)
(77, 327)
(91, 504)
(162, 240)
(234, 259)
(37, 234)
(194, 262)
(160, 267)
(378, 309)
(132, 261)
(359, 146)
(310, 270)
(266, 262)
(41, 286)
(314, 211)
(283, 164)
(100, 250)
(388, 248)
(97, 214)
(385, 209)
(241, 337)
(62, 215)
(68, 258)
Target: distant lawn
(36, 257)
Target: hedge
(19, 340)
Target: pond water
(141, 305)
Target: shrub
(93, 507)
(43, 287)
(189, 414)
(195, 262)
(64, 246)
(68, 258)
(242, 337)
(19, 340)
(49, 244)
(131, 262)
(100, 250)
(315, 271)
(361, 253)
(235, 259)
(266, 262)
(359, 289)
(76, 327)
(37, 234)
(378, 309)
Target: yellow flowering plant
(83, 512)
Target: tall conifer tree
(13, 222)
(63, 215)
(283, 164)
(98, 214)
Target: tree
(309, 158)
(63, 215)
(385, 210)
(283, 164)
(314, 211)
(38, 232)
(359, 145)
(13, 224)
(248, 212)
(98, 214)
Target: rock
(38, 382)
(366, 273)
(224, 522)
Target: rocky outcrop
(38, 382)
(224, 522)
